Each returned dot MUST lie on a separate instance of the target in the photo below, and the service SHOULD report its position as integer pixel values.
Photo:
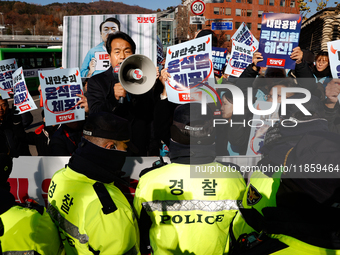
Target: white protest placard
(7, 67)
(334, 59)
(260, 125)
(59, 89)
(241, 57)
(103, 62)
(191, 69)
(244, 35)
(22, 98)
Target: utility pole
(3, 23)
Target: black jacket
(137, 109)
(333, 118)
(41, 138)
(65, 141)
(12, 136)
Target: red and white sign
(65, 117)
(276, 62)
(24, 107)
(103, 61)
(187, 97)
(236, 73)
(198, 7)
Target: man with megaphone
(125, 88)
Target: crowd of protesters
(260, 214)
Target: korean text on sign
(279, 36)
(219, 58)
(7, 67)
(334, 59)
(103, 62)
(190, 67)
(22, 98)
(241, 57)
(60, 88)
(244, 35)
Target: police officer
(292, 205)
(92, 214)
(24, 228)
(181, 207)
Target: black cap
(6, 164)
(107, 125)
(191, 127)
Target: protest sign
(191, 70)
(279, 36)
(103, 61)
(59, 88)
(82, 39)
(241, 57)
(334, 59)
(22, 98)
(244, 35)
(7, 67)
(219, 59)
(260, 125)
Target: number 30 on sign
(198, 7)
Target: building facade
(174, 26)
(322, 27)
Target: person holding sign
(89, 66)
(313, 78)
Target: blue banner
(279, 36)
(219, 57)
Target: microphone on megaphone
(137, 74)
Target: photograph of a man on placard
(84, 39)
(96, 60)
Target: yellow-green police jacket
(189, 215)
(260, 193)
(91, 219)
(26, 231)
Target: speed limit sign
(198, 7)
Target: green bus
(33, 60)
